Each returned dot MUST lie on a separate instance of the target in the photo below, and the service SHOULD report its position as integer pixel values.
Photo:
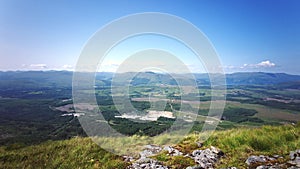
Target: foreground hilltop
(236, 144)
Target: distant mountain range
(260, 78)
(64, 78)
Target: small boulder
(256, 160)
(206, 158)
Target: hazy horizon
(226, 73)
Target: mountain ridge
(141, 78)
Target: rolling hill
(64, 78)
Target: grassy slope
(237, 144)
(74, 153)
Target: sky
(248, 35)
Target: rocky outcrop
(274, 162)
(205, 159)
(146, 163)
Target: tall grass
(73, 153)
(238, 144)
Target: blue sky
(249, 35)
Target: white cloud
(67, 66)
(266, 63)
(44, 67)
(38, 66)
(261, 65)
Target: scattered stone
(128, 158)
(271, 166)
(146, 163)
(257, 160)
(297, 160)
(207, 158)
(277, 156)
(153, 148)
(172, 151)
(150, 150)
(293, 155)
(196, 153)
(194, 167)
(262, 167)
(294, 159)
(293, 167)
(187, 155)
(266, 162)
(214, 150)
(199, 144)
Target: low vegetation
(239, 144)
(74, 153)
(78, 152)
